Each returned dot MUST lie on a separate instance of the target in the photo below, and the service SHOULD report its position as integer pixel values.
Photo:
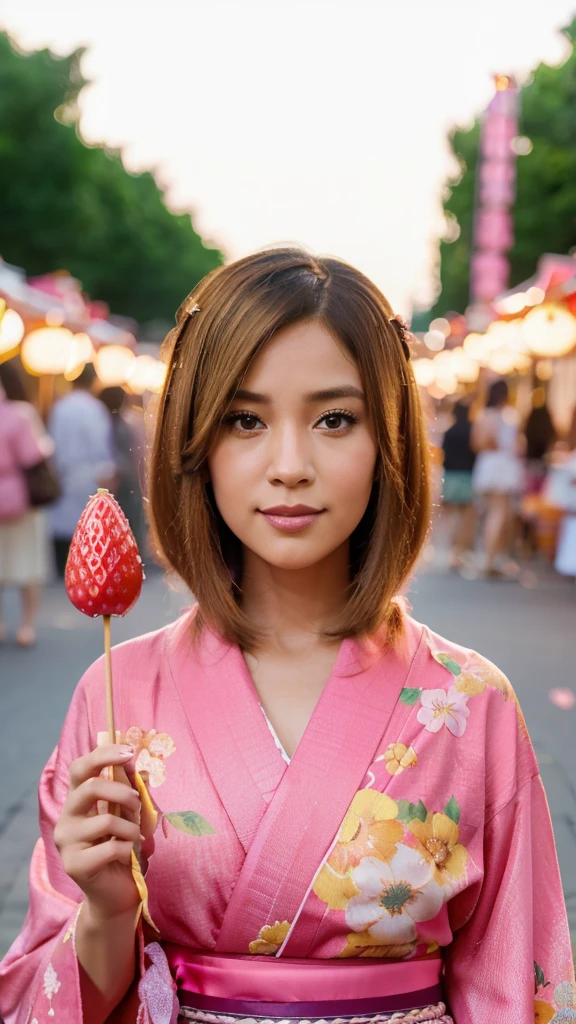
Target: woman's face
(293, 465)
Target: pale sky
(316, 121)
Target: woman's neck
(294, 606)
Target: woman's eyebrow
(324, 395)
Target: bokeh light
(47, 350)
(112, 363)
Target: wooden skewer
(109, 698)
(108, 664)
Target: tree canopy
(545, 208)
(66, 205)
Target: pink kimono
(404, 858)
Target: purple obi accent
(327, 1008)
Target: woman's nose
(291, 460)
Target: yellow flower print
(362, 945)
(470, 684)
(369, 829)
(270, 938)
(543, 1012)
(478, 674)
(437, 841)
(398, 757)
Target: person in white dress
(84, 456)
(497, 475)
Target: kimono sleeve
(40, 975)
(511, 961)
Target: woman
(497, 476)
(24, 560)
(459, 459)
(398, 846)
(540, 434)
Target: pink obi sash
(251, 986)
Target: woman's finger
(88, 863)
(90, 765)
(104, 825)
(82, 799)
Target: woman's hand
(96, 849)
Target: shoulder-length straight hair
(221, 327)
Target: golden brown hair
(208, 353)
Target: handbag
(42, 483)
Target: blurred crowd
(94, 437)
(507, 485)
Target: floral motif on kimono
(410, 827)
(557, 1008)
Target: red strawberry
(104, 570)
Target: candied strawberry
(104, 570)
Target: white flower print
(51, 986)
(393, 897)
(441, 707)
(564, 995)
(153, 766)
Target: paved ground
(529, 630)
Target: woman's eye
(243, 421)
(337, 421)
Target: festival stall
(56, 329)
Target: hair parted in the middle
(221, 327)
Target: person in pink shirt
(24, 561)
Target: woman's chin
(290, 555)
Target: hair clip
(184, 313)
(402, 329)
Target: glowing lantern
(464, 366)
(423, 372)
(522, 362)
(112, 363)
(47, 350)
(502, 361)
(498, 334)
(549, 330)
(474, 346)
(11, 330)
(81, 352)
(149, 374)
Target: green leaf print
(448, 663)
(539, 978)
(407, 811)
(409, 696)
(191, 823)
(452, 810)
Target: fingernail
(142, 839)
(126, 751)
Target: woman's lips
(291, 523)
